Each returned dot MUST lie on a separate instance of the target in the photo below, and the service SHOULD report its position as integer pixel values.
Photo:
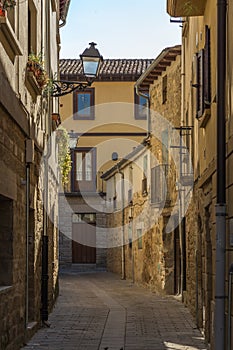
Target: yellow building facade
(108, 119)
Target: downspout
(27, 238)
(45, 238)
(122, 223)
(221, 179)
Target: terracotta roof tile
(111, 69)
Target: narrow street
(99, 311)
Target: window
(32, 28)
(6, 241)
(145, 175)
(200, 83)
(164, 89)
(84, 170)
(141, 109)
(158, 184)
(89, 218)
(203, 77)
(139, 238)
(207, 74)
(165, 149)
(84, 104)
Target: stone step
(82, 268)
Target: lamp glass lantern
(91, 61)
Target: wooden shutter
(207, 70)
(200, 83)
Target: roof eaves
(155, 63)
(64, 7)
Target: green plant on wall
(5, 4)
(64, 156)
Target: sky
(121, 28)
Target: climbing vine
(64, 156)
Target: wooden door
(84, 242)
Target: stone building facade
(28, 174)
(200, 102)
(148, 199)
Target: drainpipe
(229, 307)
(27, 237)
(45, 238)
(221, 179)
(122, 223)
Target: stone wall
(150, 260)
(12, 298)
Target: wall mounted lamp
(91, 62)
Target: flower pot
(2, 12)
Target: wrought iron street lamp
(91, 62)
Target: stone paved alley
(99, 311)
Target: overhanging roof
(64, 6)
(184, 8)
(159, 65)
(111, 69)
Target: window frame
(83, 184)
(139, 238)
(76, 114)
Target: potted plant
(35, 65)
(34, 62)
(4, 5)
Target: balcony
(186, 8)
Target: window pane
(76, 218)
(79, 166)
(84, 103)
(88, 166)
(139, 237)
(142, 108)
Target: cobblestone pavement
(99, 311)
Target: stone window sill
(9, 39)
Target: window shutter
(156, 184)
(200, 83)
(207, 70)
